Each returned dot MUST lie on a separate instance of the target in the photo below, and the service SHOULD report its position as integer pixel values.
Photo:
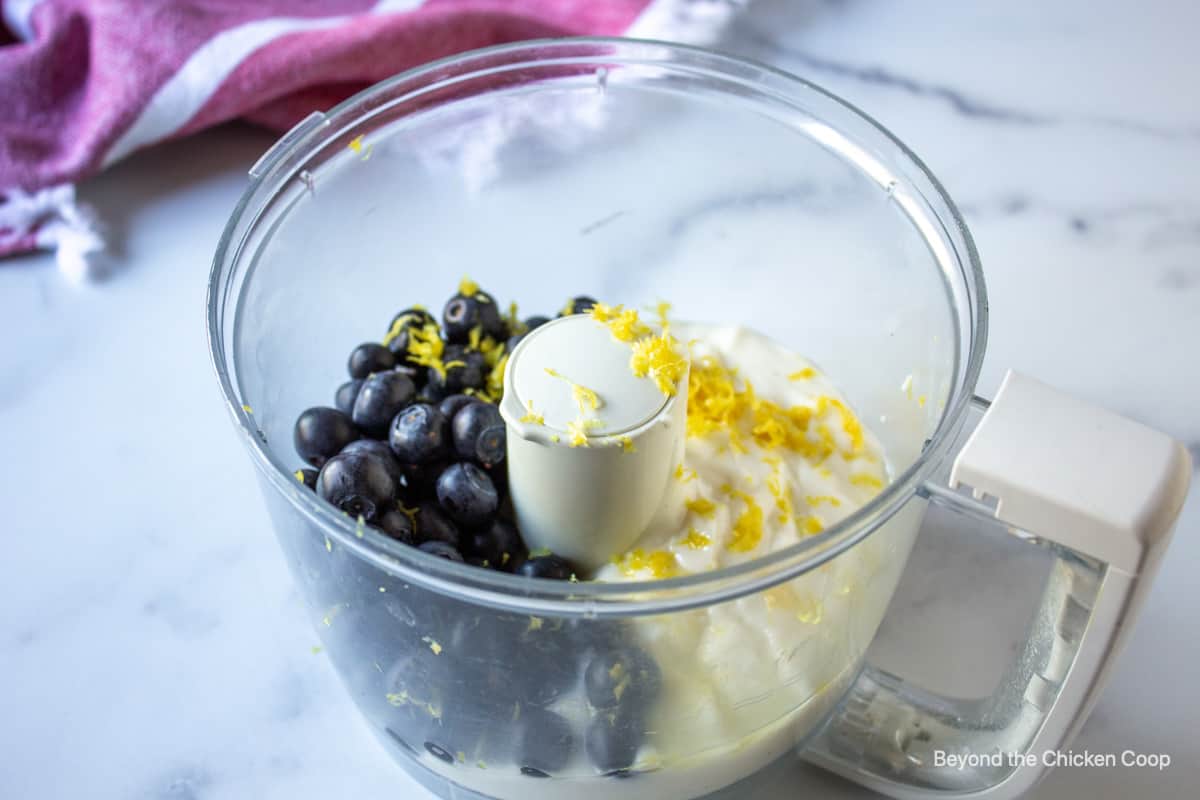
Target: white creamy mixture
(774, 455)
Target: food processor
(637, 172)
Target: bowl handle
(1103, 494)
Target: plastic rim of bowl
(592, 599)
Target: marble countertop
(151, 642)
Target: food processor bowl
(635, 172)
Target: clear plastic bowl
(632, 171)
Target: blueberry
(499, 544)
(463, 313)
(416, 374)
(469, 423)
(441, 550)
(381, 398)
(491, 446)
(578, 305)
(360, 484)
(368, 358)
(534, 322)
(612, 739)
(321, 433)
(397, 525)
(627, 676)
(307, 476)
(434, 526)
(451, 405)
(431, 393)
(544, 742)
(512, 342)
(467, 494)
(463, 369)
(420, 434)
(346, 394)
(381, 451)
(551, 566)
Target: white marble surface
(151, 643)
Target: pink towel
(84, 83)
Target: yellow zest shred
(400, 324)
(247, 409)
(696, 540)
(719, 402)
(816, 499)
(533, 417)
(578, 431)
(468, 287)
(660, 563)
(495, 380)
(585, 398)
(702, 506)
(781, 493)
(433, 645)
(299, 475)
(622, 322)
(425, 347)
(803, 375)
(850, 423)
(748, 529)
(662, 308)
(515, 325)
(921, 401)
(627, 445)
(867, 481)
(658, 358)
(813, 526)
(555, 438)
(684, 475)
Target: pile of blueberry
(415, 446)
(493, 695)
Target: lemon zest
(658, 358)
(660, 563)
(578, 430)
(622, 323)
(702, 506)
(627, 445)
(425, 347)
(468, 287)
(748, 528)
(867, 481)
(696, 540)
(803, 375)
(533, 417)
